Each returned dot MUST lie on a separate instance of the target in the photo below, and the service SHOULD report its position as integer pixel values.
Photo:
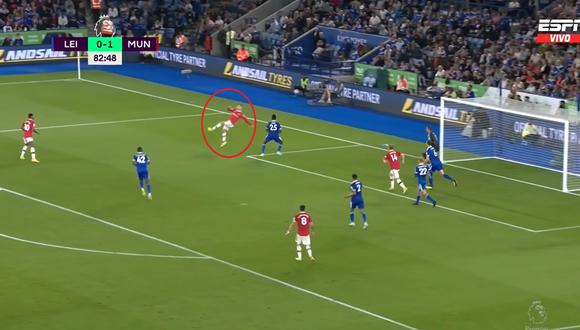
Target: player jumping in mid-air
(436, 165)
(235, 116)
(274, 129)
(421, 172)
(28, 128)
(392, 157)
(303, 222)
(141, 162)
(356, 201)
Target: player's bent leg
(224, 137)
(351, 217)
(23, 152)
(298, 252)
(309, 251)
(33, 154)
(364, 216)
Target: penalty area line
(480, 217)
(308, 150)
(70, 248)
(224, 262)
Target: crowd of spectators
(481, 45)
(185, 24)
(23, 15)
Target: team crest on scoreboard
(105, 27)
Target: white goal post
(513, 131)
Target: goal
(512, 131)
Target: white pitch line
(557, 229)
(224, 262)
(308, 150)
(62, 208)
(568, 328)
(112, 122)
(467, 159)
(130, 254)
(318, 134)
(397, 195)
(34, 81)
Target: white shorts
(304, 240)
(228, 124)
(394, 174)
(28, 140)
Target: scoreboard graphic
(105, 48)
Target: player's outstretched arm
(246, 120)
(349, 195)
(290, 227)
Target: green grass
(440, 268)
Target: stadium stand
(22, 15)
(464, 41)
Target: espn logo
(568, 31)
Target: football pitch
(81, 248)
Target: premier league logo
(105, 27)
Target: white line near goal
(224, 262)
(309, 150)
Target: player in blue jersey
(421, 172)
(436, 164)
(356, 201)
(273, 128)
(141, 162)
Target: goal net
(512, 131)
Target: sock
(224, 136)
(141, 183)
(218, 125)
(33, 152)
(431, 180)
(149, 188)
(263, 148)
(402, 185)
(23, 151)
(351, 217)
(392, 184)
(418, 199)
(445, 176)
(299, 251)
(309, 251)
(364, 215)
(279, 147)
(428, 197)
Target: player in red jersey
(28, 128)
(392, 157)
(304, 223)
(235, 116)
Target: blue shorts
(422, 186)
(436, 167)
(143, 175)
(273, 138)
(357, 203)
